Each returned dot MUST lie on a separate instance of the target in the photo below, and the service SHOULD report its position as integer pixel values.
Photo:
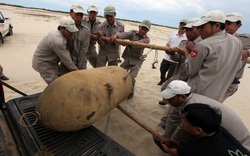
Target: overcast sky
(163, 12)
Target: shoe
(130, 96)
(4, 78)
(162, 103)
(160, 83)
(158, 143)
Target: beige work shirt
(245, 40)
(78, 46)
(50, 51)
(213, 64)
(133, 54)
(180, 72)
(110, 50)
(93, 30)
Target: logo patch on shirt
(194, 53)
(146, 41)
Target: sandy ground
(31, 25)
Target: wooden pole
(138, 44)
(143, 125)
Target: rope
(155, 60)
(36, 115)
(155, 57)
(125, 78)
(110, 91)
(149, 51)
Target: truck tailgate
(38, 140)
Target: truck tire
(1, 39)
(10, 31)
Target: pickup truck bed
(38, 140)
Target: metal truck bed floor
(38, 140)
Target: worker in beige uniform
(108, 50)
(213, 64)
(92, 23)
(133, 56)
(78, 44)
(52, 49)
(178, 94)
(233, 23)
